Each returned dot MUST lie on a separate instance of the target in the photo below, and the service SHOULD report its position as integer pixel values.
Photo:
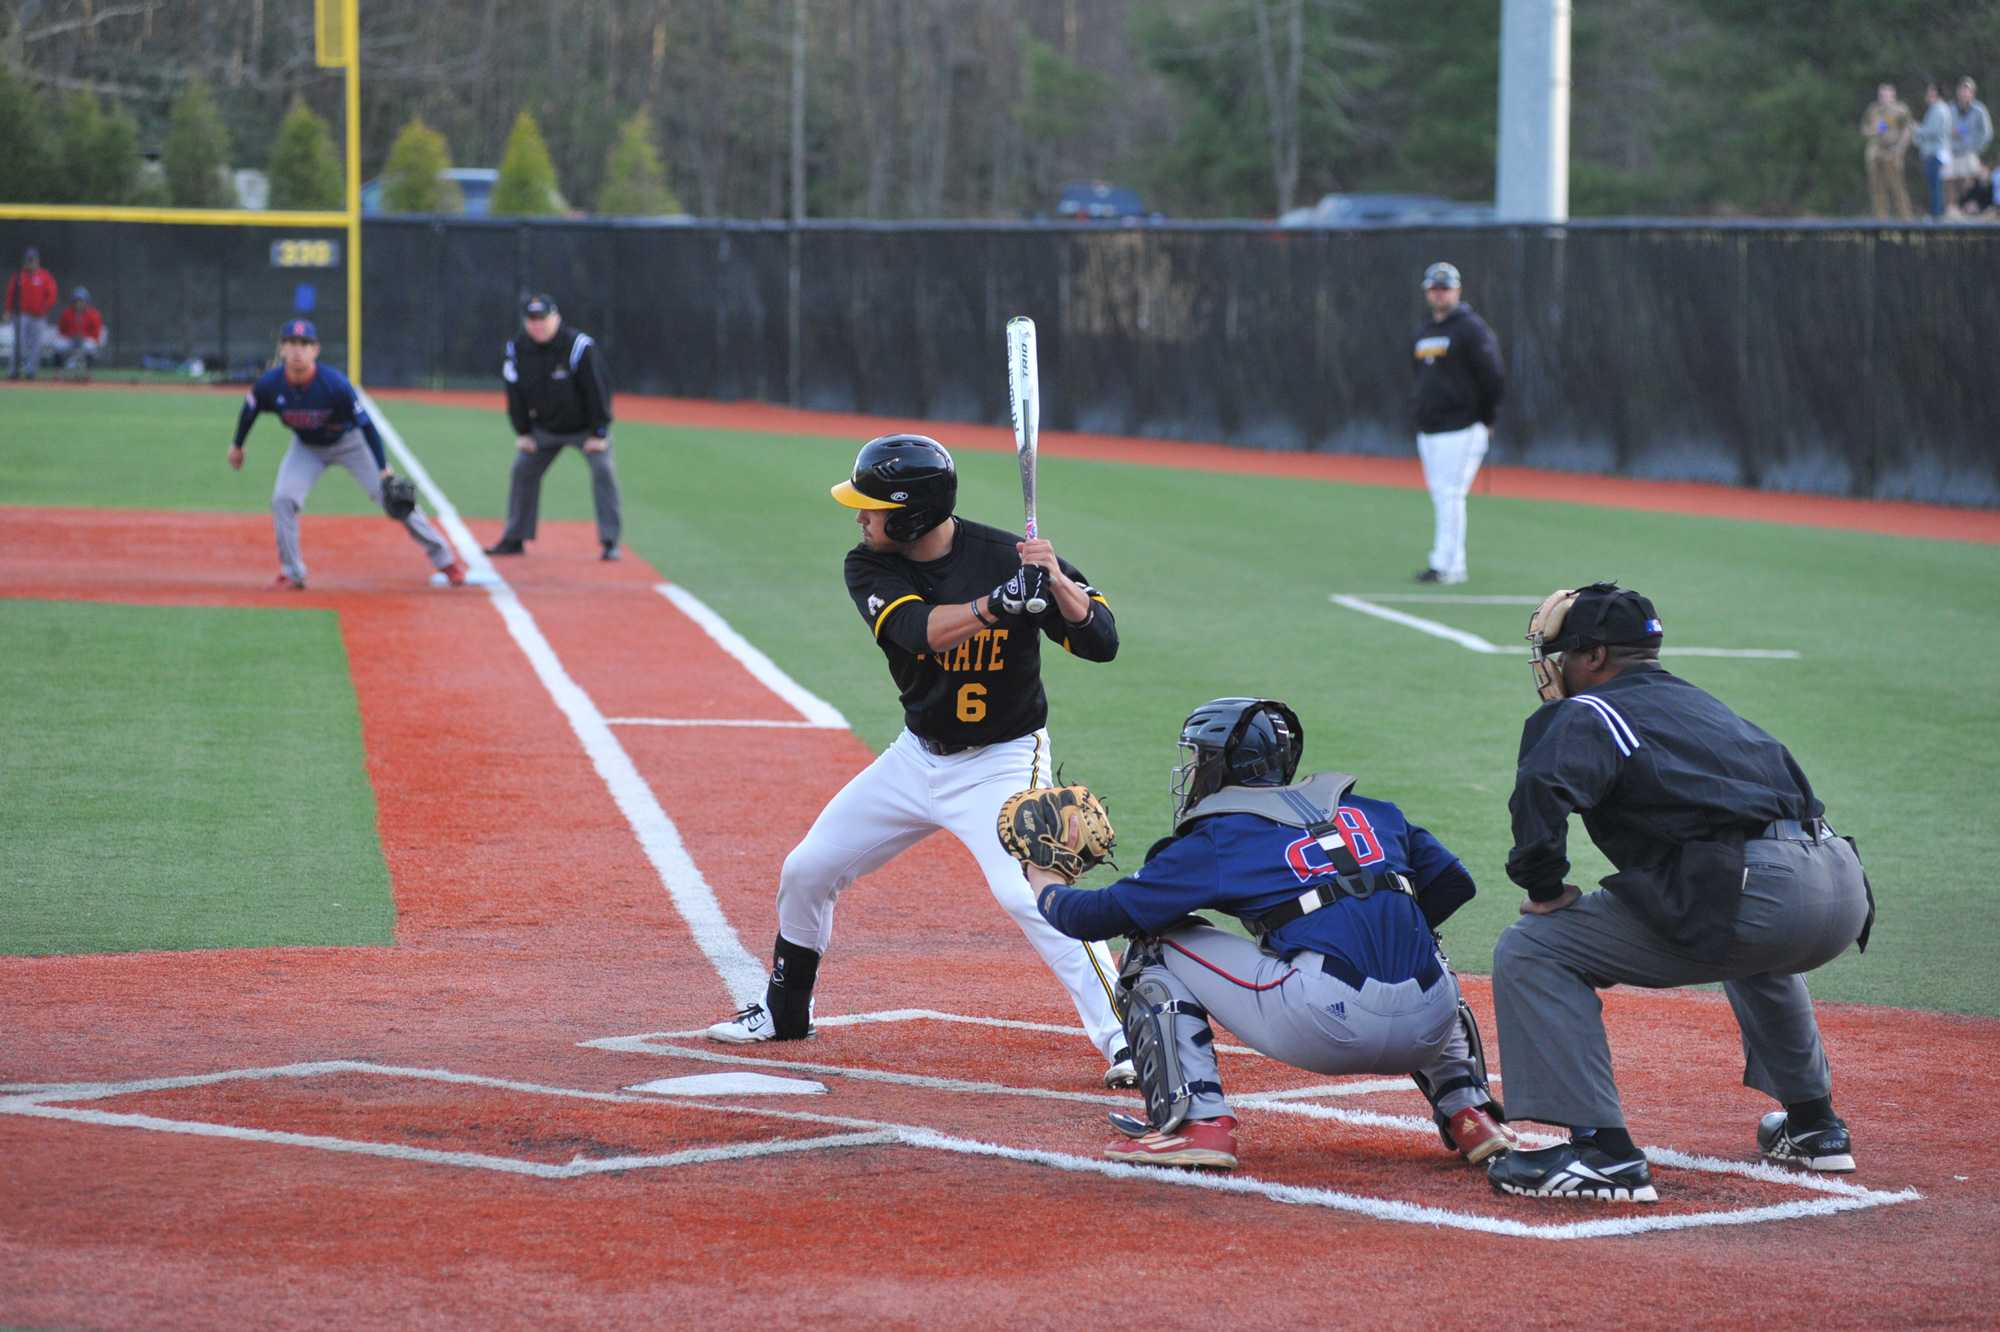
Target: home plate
(732, 1084)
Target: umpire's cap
(298, 330)
(539, 305)
(1605, 613)
(1442, 274)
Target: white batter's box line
(855, 1132)
(742, 976)
(1472, 642)
(886, 1015)
(816, 710)
(724, 721)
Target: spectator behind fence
(1933, 139)
(1971, 131)
(1886, 125)
(79, 333)
(1979, 199)
(31, 294)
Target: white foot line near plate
(742, 975)
(1472, 642)
(1842, 1197)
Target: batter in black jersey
(987, 687)
(947, 601)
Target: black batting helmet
(1236, 742)
(910, 474)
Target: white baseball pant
(1451, 461)
(902, 797)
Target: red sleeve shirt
(32, 293)
(84, 323)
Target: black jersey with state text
(988, 688)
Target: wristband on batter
(973, 606)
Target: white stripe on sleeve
(577, 348)
(1606, 715)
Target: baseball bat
(1024, 395)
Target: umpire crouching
(558, 394)
(1726, 872)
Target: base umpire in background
(558, 394)
(1726, 872)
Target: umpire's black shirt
(1652, 763)
(1459, 375)
(560, 386)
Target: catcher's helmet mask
(912, 475)
(1235, 742)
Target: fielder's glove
(1029, 583)
(1062, 829)
(399, 496)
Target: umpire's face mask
(1545, 627)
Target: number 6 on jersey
(1024, 396)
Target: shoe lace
(749, 1013)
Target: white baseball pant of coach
(1451, 460)
(902, 797)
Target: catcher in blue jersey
(330, 428)
(1343, 974)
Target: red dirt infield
(419, 1136)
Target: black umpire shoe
(1573, 1170)
(610, 551)
(506, 548)
(1825, 1146)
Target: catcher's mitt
(1062, 829)
(399, 497)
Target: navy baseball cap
(539, 305)
(31, 255)
(299, 330)
(1441, 275)
(1605, 613)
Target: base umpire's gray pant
(300, 471)
(1311, 1020)
(1803, 904)
(524, 489)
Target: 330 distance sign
(305, 253)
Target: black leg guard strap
(789, 994)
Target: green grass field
(1222, 585)
(182, 778)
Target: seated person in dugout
(1726, 872)
(1341, 894)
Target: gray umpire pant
(31, 333)
(1803, 903)
(524, 489)
(300, 472)
(1294, 1012)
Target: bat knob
(1037, 605)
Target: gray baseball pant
(300, 471)
(524, 487)
(30, 333)
(1295, 1013)
(1803, 904)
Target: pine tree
(635, 184)
(527, 184)
(413, 181)
(29, 166)
(114, 159)
(305, 172)
(197, 151)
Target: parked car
(1098, 201)
(475, 184)
(1384, 210)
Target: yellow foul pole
(350, 20)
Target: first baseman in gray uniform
(330, 428)
(1341, 894)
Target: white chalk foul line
(816, 710)
(1472, 642)
(862, 1132)
(742, 975)
(911, 1015)
(719, 721)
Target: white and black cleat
(750, 1025)
(1123, 1072)
(1828, 1147)
(1573, 1170)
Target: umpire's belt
(1332, 964)
(1324, 895)
(1794, 830)
(941, 748)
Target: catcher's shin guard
(788, 996)
(1476, 1047)
(1150, 1010)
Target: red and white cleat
(1479, 1135)
(1206, 1143)
(284, 582)
(454, 573)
